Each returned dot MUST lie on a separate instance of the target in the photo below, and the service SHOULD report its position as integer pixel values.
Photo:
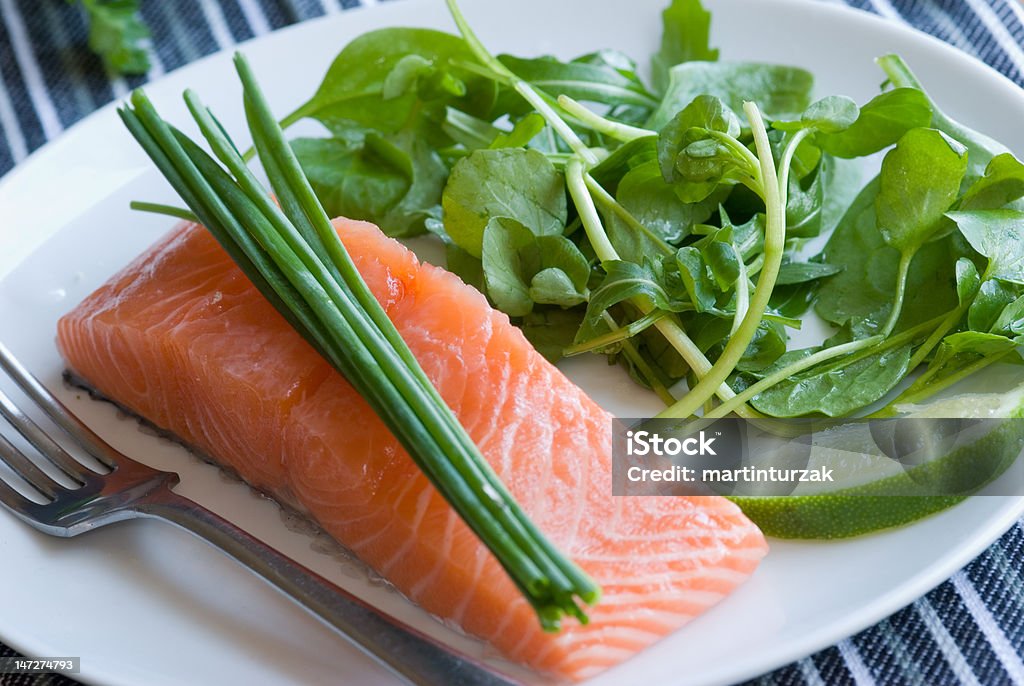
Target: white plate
(142, 603)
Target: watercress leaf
(522, 132)
(1002, 184)
(504, 272)
(690, 125)
(552, 286)
(974, 342)
(686, 28)
(992, 298)
(625, 280)
(723, 262)
(801, 272)
(353, 88)
(838, 391)
(468, 268)
(580, 80)
(880, 123)
(558, 252)
(967, 280)
(778, 90)
(623, 158)
(831, 114)
(1011, 319)
(695, 277)
(653, 203)
(997, 235)
(804, 204)
(551, 329)
(920, 179)
(509, 182)
(795, 300)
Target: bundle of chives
(292, 254)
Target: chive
(293, 255)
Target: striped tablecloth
(969, 630)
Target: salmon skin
(183, 339)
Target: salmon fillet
(183, 339)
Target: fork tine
(55, 410)
(15, 500)
(47, 447)
(24, 468)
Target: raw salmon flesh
(182, 338)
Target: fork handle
(408, 653)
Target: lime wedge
(882, 496)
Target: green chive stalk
(292, 254)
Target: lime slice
(882, 494)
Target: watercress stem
(618, 334)
(617, 130)
(634, 356)
(787, 157)
(909, 398)
(774, 247)
(522, 87)
(789, 370)
(901, 286)
(606, 199)
(605, 251)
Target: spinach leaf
(801, 272)
(778, 90)
(880, 123)
(585, 81)
(997, 235)
(508, 182)
(920, 179)
(860, 295)
(685, 37)
(391, 182)
(400, 59)
(838, 391)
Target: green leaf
(920, 179)
(838, 391)
(551, 329)
(860, 295)
(967, 281)
(509, 182)
(645, 195)
(116, 32)
(580, 81)
(625, 280)
(778, 90)
(521, 269)
(696, 278)
(831, 114)
(522, 133)
(1011, 319)
(686, 29)
(880, 123)
(1002, 184)
(996, 234)
(380, 78)
(723, 261)
(801, 272)
(992, 298)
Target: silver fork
(131, 489)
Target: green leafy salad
(665, 222)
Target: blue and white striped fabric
(970, 630)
